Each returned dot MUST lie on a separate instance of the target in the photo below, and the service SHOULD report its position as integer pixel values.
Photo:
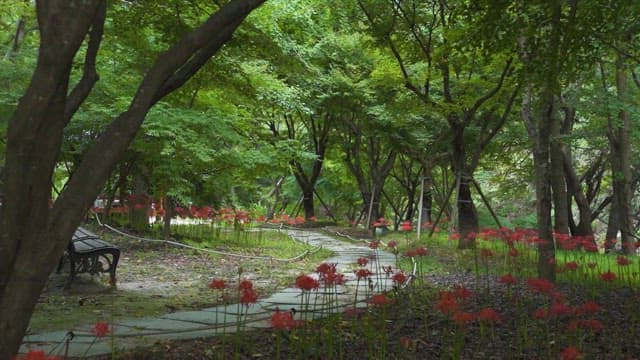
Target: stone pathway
(224, 319)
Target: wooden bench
(87, 253)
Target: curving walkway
(224, 318)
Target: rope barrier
(174, 243)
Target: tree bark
(557, 178)
(620, 143)
(32, 235)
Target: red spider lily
(590, 246)
(37, 355)
(100, 329)
(560, 309)
(363, 261)
(489, 315)
(261, 218)
(588, 307)
(623, 261)
(299, 220)
(313, 219)
(508, 279)
(218, 284)
(608, 276)
(325, 268)
(571, 353)
(399, 278)
(461, 292)
(447, 302)
(455, 236)
(486, 253)
(363, 273)
(462, 318)
(283, 320)
(406, 226)
(542, 286)
(380, 300)
(541, 314)
(245, 284)
(392, 244)
(249, 296)
(421, 251)
(307, 283)
(594, 325)
(380, 222)
(332, 278)
(374, 244)
(411, 253)
(572, 265)
(513, 252)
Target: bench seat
(87, 253)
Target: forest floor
(411, 327)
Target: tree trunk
(613, 226)
(583, 228)
(308, 203)
(556, 173)
(169, 207)
(33, 235)
(539, 134)
(467, 216)
(620, 143)
(139, 205)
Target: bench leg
(114, 265)
(72, 272)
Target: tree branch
(89, 74)
(471, 112)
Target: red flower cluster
(380, 300)
(419, 251)
(100, 329)
(247, 294)
(489, 315)
(363, 261)
(508, 279)
(623, 261)
(571, 353)
(328, 273)
(374, 244)
(307, 283)
(542, 286)
(406, 226)
(392, 244)
(283, 320)
(37, 355)
(381, 222)
(608, 276)
(462, 318)
(594, 325)
(399, 278)
(363, 273)
(486, 253)
(217, 284)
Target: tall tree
(32, 234)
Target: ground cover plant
(477, 304)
